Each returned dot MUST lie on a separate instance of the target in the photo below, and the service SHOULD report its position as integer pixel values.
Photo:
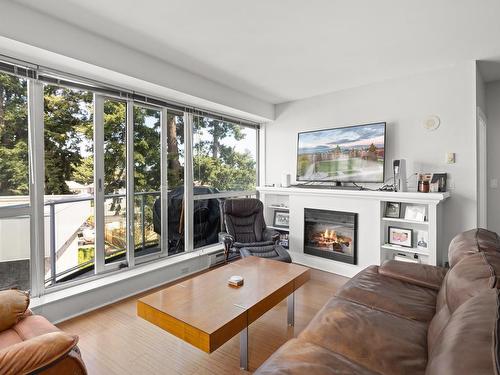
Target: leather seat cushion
(298, 357)
(388, 294)
(379, 341)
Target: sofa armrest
(419, 274)
(36, 353)
(13, 306)
(271, 235)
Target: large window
(14, 183)
(224, 155)
(94, 180)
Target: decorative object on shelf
(281, 219)
(438, 182)
(424, 181)
(393, 210)
(422, 240)
(415, 213)
(401, 236)
(235, 281)
(286, 180)
(283, 241)
(432, 122)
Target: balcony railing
(53, 250)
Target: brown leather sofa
(31, 344)
(403, 318)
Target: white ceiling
(282, 50)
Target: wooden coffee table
(206, 312)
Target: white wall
(25, 25)
(403, 103)
(493, 130)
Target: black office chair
(246, 231)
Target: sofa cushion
(298, 357)
(468, 342)
(470, 276)
(419, 274)
(13, 304)
(33, 326)
(382, 342)
(388, 294)
(472, 242)
(32, 355)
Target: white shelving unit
(373, 246)
(434, 253)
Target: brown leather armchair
(31, 344)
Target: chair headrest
(242, 207)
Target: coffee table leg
(244, 349)
(291, 309)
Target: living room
(193, 187)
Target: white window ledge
(118, 276)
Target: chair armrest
(271, 235)
(36, 353)
(226, 238)
(13, 305)
(419, 274)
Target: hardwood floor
(114, 340)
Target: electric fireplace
(331, 234)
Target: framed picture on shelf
(393, 210)
(422, 240)
(400, 237)
(281, 219)
(415, 213)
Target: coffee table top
(206, 312)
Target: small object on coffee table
(235, 281)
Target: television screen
(350, 154)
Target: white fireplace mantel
(372, 247)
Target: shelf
(411, 250)
(279, 207)
(396, 220)
(278, 228)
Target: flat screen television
(348, 154)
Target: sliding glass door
(69, 184)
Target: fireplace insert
(331, 234)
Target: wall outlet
(494, 183)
